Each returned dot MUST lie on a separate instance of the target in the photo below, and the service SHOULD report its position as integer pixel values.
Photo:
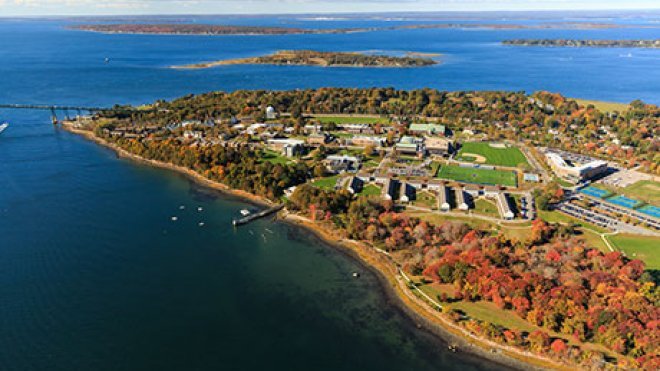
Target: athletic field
(478, 176)
(491, 153)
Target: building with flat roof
(460, 200)
(504, 207)
(438, 146)
(427, 129)
(406, 192)
(409, 145)
(389, 189)
(572, 169)
(443, 204)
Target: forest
(574, 294)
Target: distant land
(585, 43)
(208, 29)
(324, 59)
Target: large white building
(575, 168)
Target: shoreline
(393, 287)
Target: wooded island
(323, 59)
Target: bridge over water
(65, 109)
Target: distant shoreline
(575, 43)
(228, 30)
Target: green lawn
(274, 157)
(644, 248)
(486, 207)
(425, 199)
(352, 120)
(509, 156)
(645, 190)
(370, 190)
(478, 176)
(326, 183)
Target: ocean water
(95, 275)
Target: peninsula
(491, 241)
(322, 59)
(654, 44)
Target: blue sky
(102, 7)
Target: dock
(255, 216)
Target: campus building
(575, 168)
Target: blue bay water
(95, 275)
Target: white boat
(3, 126)
(245, 212)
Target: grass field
(644, 248)
(326, 183)
(352, 120)
(274, 157)
(478, 176)
(425, 199)
(485, 207)
(509, 156)
(370, 190)
(645, 190)
(604, 106)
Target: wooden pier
(255, 216)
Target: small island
(585, 43)
(323, 59)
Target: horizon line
(609, 10)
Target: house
(443, 204)
(427, 129)
(504, 207)
(355, 185)
(460, 200)
(406, 192)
